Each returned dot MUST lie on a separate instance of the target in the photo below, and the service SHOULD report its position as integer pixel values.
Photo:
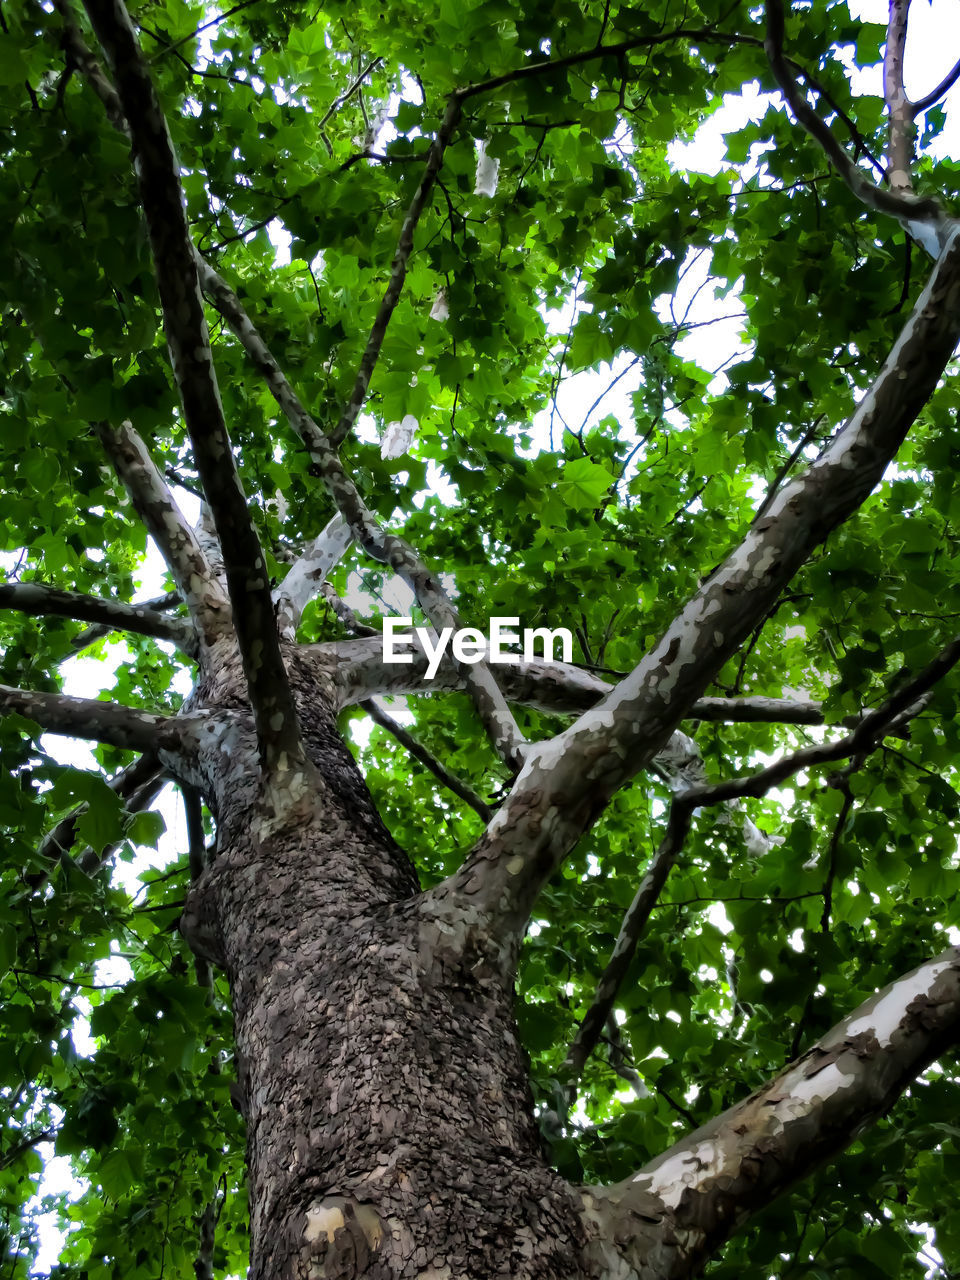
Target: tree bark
(390, 1126)
(389, 1119)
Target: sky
(933, 46)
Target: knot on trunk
(340, 1238)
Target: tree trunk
(389, 1116)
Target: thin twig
(419, 752)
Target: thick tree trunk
(390, 1127)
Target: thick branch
(693, 1197)
(169, 529)
(384, 547)
(900, 129)
(923, 218)
(156, 604)
(558, 688)
(306, 575)
(174, 256)
(572, 776)
(108, 722)
(37, 600)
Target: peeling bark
(307, 574)
(677, 1210)
(559, 688)
(566, 782)
(390, 1131)
(169, 529)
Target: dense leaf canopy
(578, 461)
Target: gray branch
(109, 722)
(900, 109)
(156, 604)
(167, 525)
(37, 599)
(571, 777)
(307, 574)
(175, 259)
(921, 217)
(679, 1203)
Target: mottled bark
(169, 529)
(567, 781)
(900, 111)
(677, 1211)
(99, 721)
(307, 574)
(39, 600)
(390, 1131)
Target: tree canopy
(469, 366)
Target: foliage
(577, 268)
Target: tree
(574, 970)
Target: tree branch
(558, 688)
(168, 527)
(419, 752)
(109, 722)
(634, 922)
(572, 776)
(921, 217)
(683, 1201)
(398, 271)
(306, 575)
(874, 725)
(344, 613)
(696, 35)
(37, 599)
(945, 85)
(384, 547)
(156, 604)
(900, 110)
(138, 786)
(25, 1144)
(871, 728)
(174, 255)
